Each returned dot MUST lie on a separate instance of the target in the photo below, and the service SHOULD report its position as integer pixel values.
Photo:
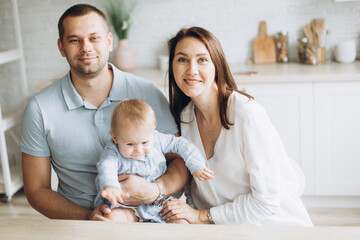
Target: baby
(137, 148)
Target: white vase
(124, 56)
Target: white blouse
(255, 183)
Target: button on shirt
(61, 125)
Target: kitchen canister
(282, 53)
(345, 52)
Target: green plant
(120, 17)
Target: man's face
(86, 44)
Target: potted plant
(119, 13)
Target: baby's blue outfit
(152, 167)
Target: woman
(255, 183)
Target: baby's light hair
(133, 112)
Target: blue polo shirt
(58, 123)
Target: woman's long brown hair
(223, 77)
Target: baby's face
(134, 142)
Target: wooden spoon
(319, 28)
(313, 30)
(308, 33)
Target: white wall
(234, 22)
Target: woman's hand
(175, 209)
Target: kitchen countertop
(266, 73)
(45, 229)
(276, 73)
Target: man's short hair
(77, 11)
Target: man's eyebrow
(71, 36)
(74, 35)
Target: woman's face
(194, 71)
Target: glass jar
(328, 50)
(282, 52)
(306, 52)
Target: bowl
(345, 52)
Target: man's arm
(176, 175)
(37, 185)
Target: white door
(337, 146)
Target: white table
(44, 229)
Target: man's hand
(98, 213)
(144, 192)
(114, 195)
(140, 190)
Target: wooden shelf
(10, 177)
(10, 55)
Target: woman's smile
(192, 82)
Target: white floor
(20, 208)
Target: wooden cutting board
(264, 46)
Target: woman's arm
(264, 157)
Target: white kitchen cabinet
(290, 108)
(337, 134)
(319, 126)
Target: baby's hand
(204, 174)
(114, 195)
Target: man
(67, 125)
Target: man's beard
(90, 70)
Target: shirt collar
(118, 89)
(73, 99)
